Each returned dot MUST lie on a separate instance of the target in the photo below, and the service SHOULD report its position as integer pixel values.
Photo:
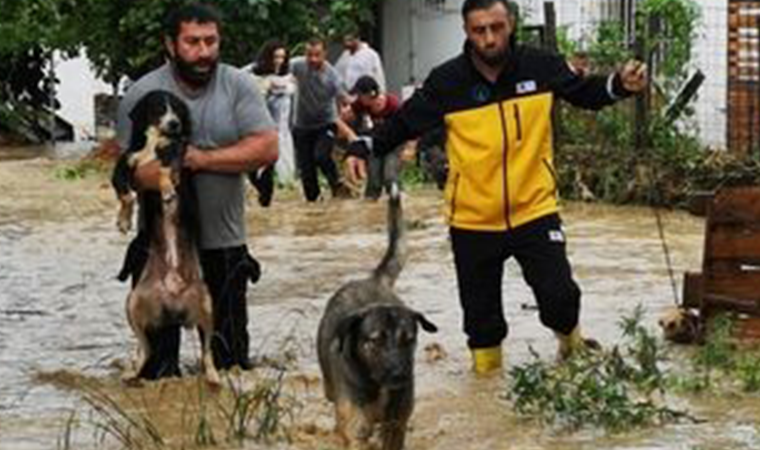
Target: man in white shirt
(359, 59)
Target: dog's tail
(393, 261)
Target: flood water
(63, 326)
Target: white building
(420, 34)
(76, 93)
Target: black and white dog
(160, 131)
(170, 290)
(366, 343)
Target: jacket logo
(481, 93)
(525, 87)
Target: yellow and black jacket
(498, 135)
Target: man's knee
(559, 308)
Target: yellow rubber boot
(570, 344)
(486, 361)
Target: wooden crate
(730, 277)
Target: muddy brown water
(63, 328)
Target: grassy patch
(79, 170)
(720, 365)
(183, 414)
(616, 390)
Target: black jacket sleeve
(421, 113)
(589, 92)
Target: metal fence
(725, 113)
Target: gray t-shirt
(318, 91)
(229, 109)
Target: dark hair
(193, 12)
(351, 31)
(316, 40)
(472, 5)
(265, 59)
(366, 85)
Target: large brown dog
(170, 289)
(366, 344)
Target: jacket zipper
(454, 197)
(504, 164)
(517, 120)
(551, 172)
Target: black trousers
(225, 272)
(539, 248)
(314, 150)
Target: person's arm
(421, 113)
(251, 152)
(345, 131)
(595, 91)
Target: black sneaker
(263, 181)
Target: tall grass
(253, 406)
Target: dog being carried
(170, 289)
(366, 344)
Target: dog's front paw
(124, 223)
(213, 379)
(132, 379)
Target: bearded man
(494, 101)
(232, 134)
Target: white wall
(437, 36)
(76, 93)
(710, 55)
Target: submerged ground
(63, 329)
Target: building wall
(711, 56)
(76, 93)
(435, 29)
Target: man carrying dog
(495, 102)
(232, 134)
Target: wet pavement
(63, 327)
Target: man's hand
(195, 159)
(357, 169)
(633, 76)
(359, 147)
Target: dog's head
(680, 325)
(166, 117)
(381, 341)
(163, 112)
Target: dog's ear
(139, 113)
(426, 325)
(182, 111)
(348, 327)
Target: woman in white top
(272, 74)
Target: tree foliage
(124, 37)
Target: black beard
(493, 61)
(190, 74)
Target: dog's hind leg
(165, 183)
(206, 330)
(141, 357)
